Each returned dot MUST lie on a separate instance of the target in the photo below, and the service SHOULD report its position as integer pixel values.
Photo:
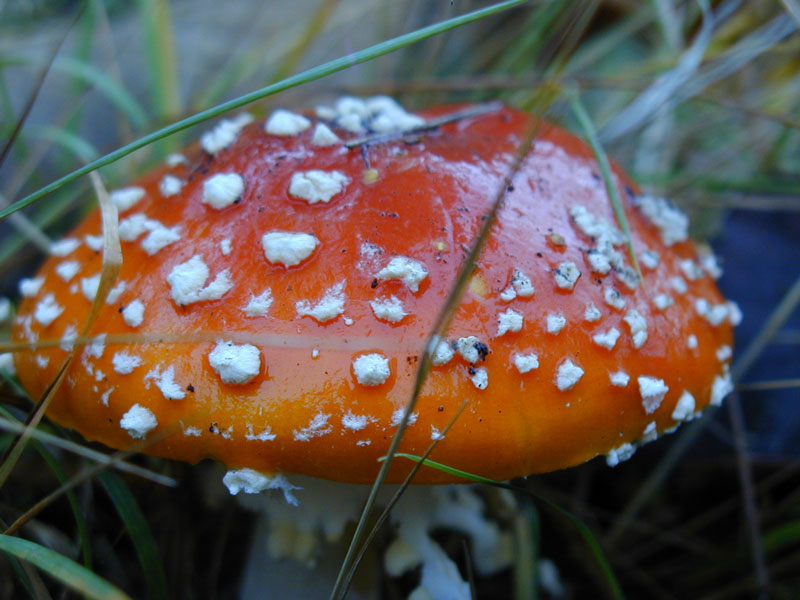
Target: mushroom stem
(290, 540)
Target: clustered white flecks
(286, 123)
(672, 223)
(47, 310)
(68, 269)
(318, 426)
(125, 363)
(604, 256)
(568, 375)
(607, 339)
(555, 323)
(378, 114)
(223, 134)
(613, 298)
(619, 379)
(509, 321)
(652, 391)
(68, 338)
(187, 282)
(288, 248)
(388, 309)
(236, 364)
(133, 313)
(29, 287)
(356, 422)
(638, 327)
(158, 235)
(566, 275)
(265, 435)
(170, 185)
(127, 197)
(64, 247)
(222, 190)
(330, 306)
(526, 362)
(258, 306)
(520, 285)
(323, 136)
(317, 186)
(165, 382)
(138, 421)
(408, 270)
(371, 369)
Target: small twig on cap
(473, 111)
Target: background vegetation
(699, 100)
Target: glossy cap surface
(279, 288)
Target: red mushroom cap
(278, 288)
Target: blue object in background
(761, 259)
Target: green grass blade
(605, 169)
(533, 36)
(592, 51)
(316, 23)
(582, 528)
(80, 521)
(55, 466)
(665, 87)
(456, 472)
(60, 567)
(15, 426)
(527, 529)
(110, 89)
(782, 537)
(737, 57)
(45, 215)
(22, 576)
(139, 531)
(160, 57)
(72, 142)
(84, 44)
(312, 74)
(10, 457)
(669, 21)
(8, 120)
(31, 101)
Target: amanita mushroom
(278, 286)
